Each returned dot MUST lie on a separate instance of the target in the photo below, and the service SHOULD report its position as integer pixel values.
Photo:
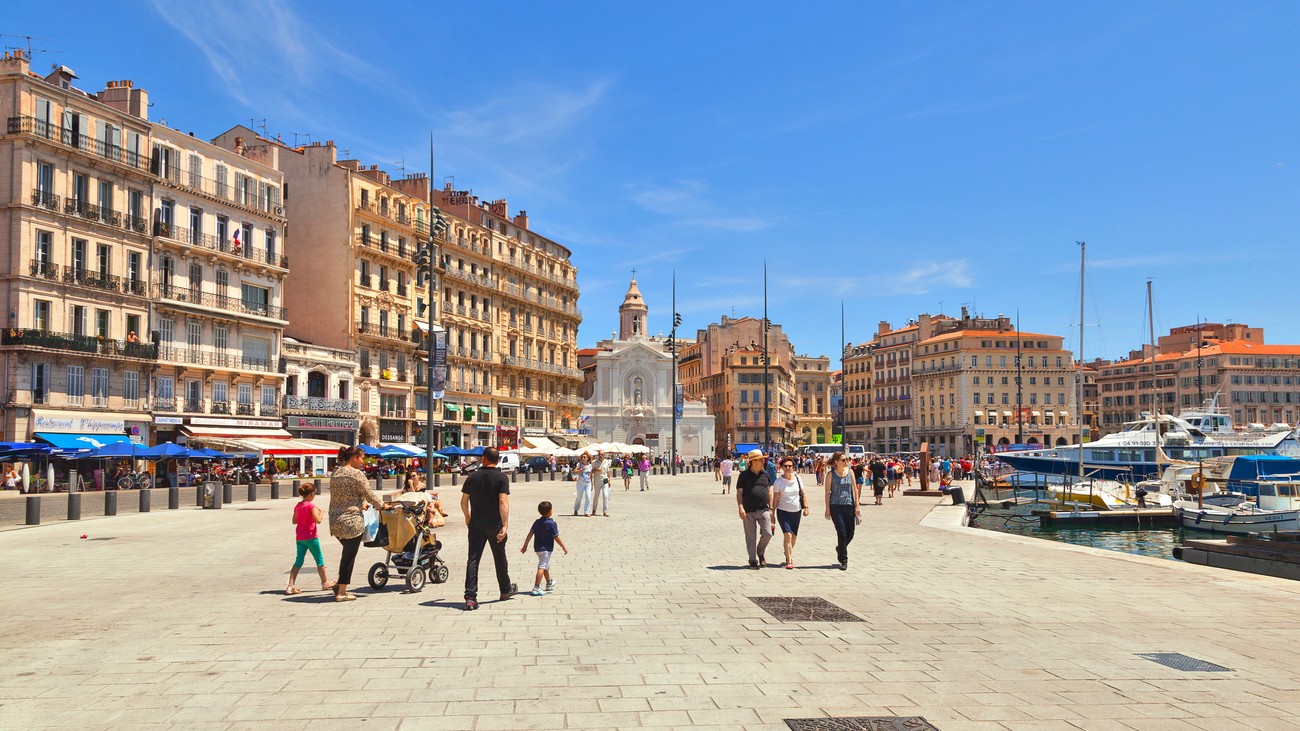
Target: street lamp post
(767, 390)
(425, 260)
(1020, 406)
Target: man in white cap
(753, 499)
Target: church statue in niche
(636, 391)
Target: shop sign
(392, 431)
(534, 432)
(76, 424)
(169, 420)
(250, 423)
(321, 423)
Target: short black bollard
(227, 493)
(144, 500)
(552, 475)
(379, 484)
(74, 506)
(318, 486)
(453, 479)
(437, 479)
(514, 476)
(401, 482)
(33, 510)
(174, 497)
(528, 476)
(252, 492)
(198, 496)
(110, 502)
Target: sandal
(328, 585)
(345, 598)
(292, 590)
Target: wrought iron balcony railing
(38, 338)
(218, 301)
(70, 138)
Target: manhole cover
(1179, 661)
(804, 609)
(864, 723)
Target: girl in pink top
(305, 518)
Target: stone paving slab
(178, 621)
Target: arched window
(316, 382)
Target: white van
(509, 462)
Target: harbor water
(1137, 539)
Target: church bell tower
(632, 314)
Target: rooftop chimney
(521, 219)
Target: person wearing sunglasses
(791, 505)
(842, 495)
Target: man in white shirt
(727, 466)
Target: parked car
(536, 465)
(509, 462)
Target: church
(627, 383)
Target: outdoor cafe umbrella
(115, 450)
(166, 450)
(454, 451)
(370, 451)
(205, 453)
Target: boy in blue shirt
(547, 534)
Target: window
(220, 392)
(196, 276)
(196, 172)
(248, 239)
(76, 385)
(196, 224)
(40, 383)
(166, 330)
(223, 230)
(220, 337)
(41, 315)
(255, 299)
(99, 386)
(270, 245)
(45, 181)
(44, 251)
(257, 353)
(77, 315)
(133, 267)
(101, 323)
(131, 388)
(79, 256)
(163, 387)
(268, 395)
(133, 325)
(223, 281)
(105, 196)
(245, 393)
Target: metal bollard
(33, 510)
(401, 482)
(174, 497)
(552, 475)
(110, 502)
(379, 484)
(437, 479)
(528, 476)
(227, 493)
(144, 500)
(252, 492)
(74, 506)
(198, 496)
(318, 486)
(514, 476)
(453, 479)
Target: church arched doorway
(821, 435)
(639, 440)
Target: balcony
(215, 359)
(98, 214)
(320, 404)
(194, 406)
(538, 365)
(89, 212)
(222, 302)
(212, 243)
(45, 199)
(269, 410)
(224, 191)
(221, 407)
(246, 409)
(389, 213)
(382, 331)
(69, 138)
(476, 279)
(164, 404)
(396, 250)
(36, 338)
(44, 269)
(106, 282)
(515, 290)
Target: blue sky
(899, 157)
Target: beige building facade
(812, 400)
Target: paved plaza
(176, 619)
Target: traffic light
(677, 320)
(423, 257)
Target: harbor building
(878, 386)
(509, 303)
(319, 389)
(812, 407)
(355, 234)
(978, 381)
(77, 351)
(628, 389)
(1232, 366)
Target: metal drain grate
(802, 609)
(1179, 661)
(865, 723)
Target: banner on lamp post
(678, 402)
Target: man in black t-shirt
(485, 501)
(753, 500)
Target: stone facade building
(318, 392)
(812, 400)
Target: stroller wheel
(378, 576)
(439, 574)
(415, 579)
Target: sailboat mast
(1155, 392)
(1078, 373)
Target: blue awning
(80, 442)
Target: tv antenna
(401, 166)
(256, 124)
(27, 49)
(296, 135)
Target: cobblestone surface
(176, 619)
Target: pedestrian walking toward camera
(842, 509)
(754, 500)
(546, 534)
(644, 467)
(306, 516)
(485, 501)
(349, 494)
(625, 466)
(717, 470)
(600, 473)
(790, 504)
(582, 475)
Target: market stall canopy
(254, 448)
(370, 451)
(209, 454)
(23, 450)
(534, 446)
(234, 432)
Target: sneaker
(470, 604)
(510, 592)
(550, 586)
(537, 591)
(844, 565)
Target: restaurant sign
(322, 423)
(75, 423)
(249, 423)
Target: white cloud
(924, 278)
(688, 203)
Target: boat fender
(1227, 519)
(1199, 516)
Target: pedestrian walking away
(790, 505)
(725, 468)
(877, 471)
(349, 494)
(842, 496)
(546, 534)
(306, 516)
(485, 501)
(582, 503)
(753, 498)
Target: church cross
(634, 272)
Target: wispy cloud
(924, 278)
(689, 203)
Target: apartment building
(218, 286)
(356, 232)
(812, 407)
(509, 303)
(317, 382)
(878, 385)
(1251, 380)
(76, 200)
(978, 381)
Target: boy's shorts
(543, 560)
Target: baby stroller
(412, 548)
